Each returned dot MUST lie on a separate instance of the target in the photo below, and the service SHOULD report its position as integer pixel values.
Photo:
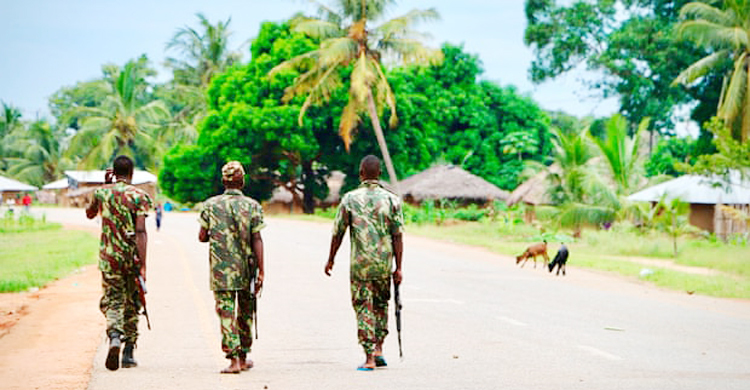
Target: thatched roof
(534, 190)
(449, 182)
(8, 184)
(699, 190)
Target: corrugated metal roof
(7, 184)
(139, 177)
(56, 185)
(699, 189)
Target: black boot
(113, 356)
(127, 356)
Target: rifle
(397, 299)
(141, 284)
(254, 294)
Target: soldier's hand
(143, 273)
(397, 276)
(259, 282)
(109, 174)
(329, 267)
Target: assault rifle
(141, 284)
(254, 292)
(397, 299)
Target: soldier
(122, 257)
(231, 223)
(374, 217)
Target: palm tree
(10, 121)
(572, 153)
(40, 155)
(121, 124)
(348, 40)
(726, 34)
(620, 151)
(205, 53)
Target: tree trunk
(308, 180)
(381, 141)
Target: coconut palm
(121, 124)
(10, 121)
(620, 151)
(205, 53)
(40, 156)
(572, 153)
(726, 34)
(348, 40)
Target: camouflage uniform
(120, 204)
(230, 219)
(373, 215)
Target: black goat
(560, 259)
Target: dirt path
(53, 344)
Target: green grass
(609, 251)
(42, 253)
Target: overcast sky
(48, 44)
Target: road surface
(472, 320)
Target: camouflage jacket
(373, 214)
(230, 219)
(120, 204)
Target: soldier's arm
(203, 235)
(256, 242)
(141, 241)
(339, 228)
(398, 250)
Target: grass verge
(36, 257)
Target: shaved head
(369, 168)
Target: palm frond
(401, 26)
(700, 68)
(350, 118)
(316, 28)
(411, 51)
(736, 92)
(698, 10)
(385, 93)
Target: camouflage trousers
(235, 310)
(370, 300)
(120, 304)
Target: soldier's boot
(127, 356)
(113, 356)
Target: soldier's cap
(230, 169)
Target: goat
(534, 251)
(560, 259)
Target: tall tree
(125, 121)
(205, 52)
(349, 42)
(725, 33)
(40, 157)
(620, 151)
(630, 43)
(10, 121)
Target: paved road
(472, 320)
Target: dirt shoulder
(48, 338)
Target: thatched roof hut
(449, 182)
(534, 190)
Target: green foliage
(631, 42)
(127, 121)
(621, 152)
(9, 223)
(723, 31)
(732, 154)
(669, 151)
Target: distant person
(26, 202)
(122, 257)
(231, 224)
(158, 215)
(374, 217)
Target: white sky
(47, 44)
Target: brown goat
(534, 251)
